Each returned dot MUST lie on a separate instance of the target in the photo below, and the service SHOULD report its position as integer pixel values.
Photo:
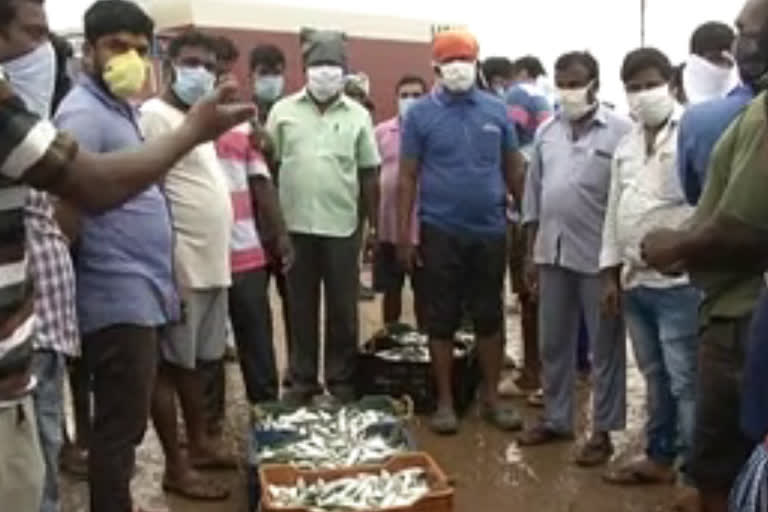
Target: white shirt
(645, 195)
(201, 209)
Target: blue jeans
(664, 325)
(49, 368)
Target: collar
(103, 96)
(444, 98)
(342, 101)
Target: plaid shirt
(51, 269)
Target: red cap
(454, 44)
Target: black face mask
(752, 59)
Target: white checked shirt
(645, 194)
(50, 265)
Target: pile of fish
(362, 492)
(413, 347)
(333, 439)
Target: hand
(659, 249)
(408, 257)
(371, 246)
(611, 300)
(218, 113)
(285, 253)
(531, 278)
(261, 141)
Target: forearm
(369, 190)
(514, 175)
(267, 207)
(99, 182)
(724, 241)
(406, 197)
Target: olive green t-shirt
(737, 187)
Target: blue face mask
(191, 84)
(404, 105)
(268, 88)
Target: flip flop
(503, 417)
(636, 474)
(444, 422)
(197, 488)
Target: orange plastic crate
(440, 498)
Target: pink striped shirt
(240, 162)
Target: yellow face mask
(125, 74)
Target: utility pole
(642, 22)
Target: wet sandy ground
(490, 471)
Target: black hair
(192, 38)
(531, 65)
(226, 49)
(498, 66)
(411, 79)
(712, 37)
(112, 16)
(645, 58)
(64, 52)
(268, 55)
(8, 10)
(585, 59)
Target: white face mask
(704, 81)
(404, 105)
(653, 106)
(33, 78)
(458, 76)
(575, 102)
(324, 82)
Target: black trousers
(252, 326)
(332, 263)
(123, 362)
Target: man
(327, 156)
(388, 274)
(703, 124)
(725, 251)
(710, 72)
(201, 270)
(56, 334)
(258, 237)
(565, 200)
(661, 311)
(459, 148)
(53, 162)
(499, 74)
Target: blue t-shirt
(460, 142)
(700, 128)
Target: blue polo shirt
(460, 141)
(124, 257)
(701, 127)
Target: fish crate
(414, 379)
(439, 499)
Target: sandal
(197, 488)
(536, 399)
(444, 422)
(541, 434)
(503, 417)
(642, 472)
(595, 452)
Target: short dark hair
(645, 58)
(531, 65)
(8, 10)
(411, 79)
(498, 66)
(268, 55)
(226, 49)
(713, 36)
(583, 58)
(192, 38)
(112, 16)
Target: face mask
(404, 105)
(268, 88)
(652, 107)
(458, 76)
(191, 84)
(752, 59)
(325, 82)
(500, 91)
(125, 74)
(575, 102)
(33, 78)
(704, 81)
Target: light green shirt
(738, 179)
(320, 156)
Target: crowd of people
(134, 233)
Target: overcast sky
(608, 28)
